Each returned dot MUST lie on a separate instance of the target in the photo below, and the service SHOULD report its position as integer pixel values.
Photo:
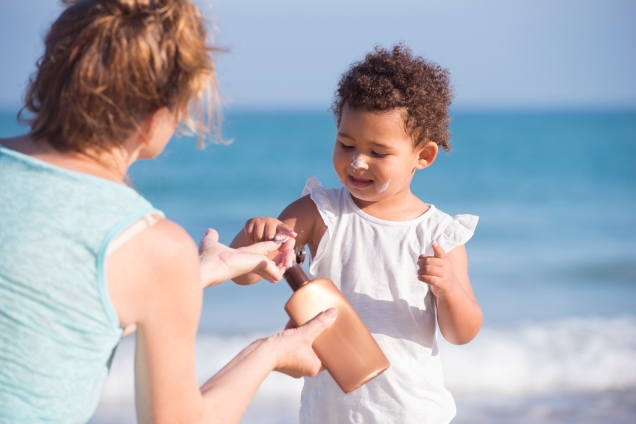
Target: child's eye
(344, 146)
(378, 155)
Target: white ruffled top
(373, 263)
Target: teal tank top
(58, 326)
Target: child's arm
(458, 312)
(300, 220)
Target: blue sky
(290, 53)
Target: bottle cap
(295, 275)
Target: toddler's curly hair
(395, 79)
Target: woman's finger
(262, 247)
(290, 324)
(288, 244)
(288, 258)
(273, 273)
(211, 234)
(269, 270)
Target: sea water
(552, 263)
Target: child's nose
(359, 162)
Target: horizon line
(484, 108)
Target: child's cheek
(382, 187)
(340, 162)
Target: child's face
(373, 155)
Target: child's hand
(437, 272)
(267, 229)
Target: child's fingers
(429, 279)
(432, 270)
(250, 230)
(285, 230)
(283, 234)
(270, 230)
(262, 247)
(262, 232)
(439, 252)
(263, 228)
(430, 260)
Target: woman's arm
(458, 313)
(154, 282)
(301, 217)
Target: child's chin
(367, 194)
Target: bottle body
(347, 349)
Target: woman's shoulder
(156, 268)
(165, 245)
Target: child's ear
(426, 155)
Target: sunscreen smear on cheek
(384, 186)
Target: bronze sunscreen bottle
(347, 349)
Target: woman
(83, 256)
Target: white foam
(567, 355)
(561, 356)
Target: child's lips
(359, 183)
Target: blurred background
(544, 151)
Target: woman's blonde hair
(108, 64)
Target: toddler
(399, 261)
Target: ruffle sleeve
(323, 202)
(319, 195)
(459, 230)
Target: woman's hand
(295, 355)
(437, 272)
(220, 263)
(289, 352)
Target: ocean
(552, 263)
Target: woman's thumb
(321, 322)
(211, 233)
